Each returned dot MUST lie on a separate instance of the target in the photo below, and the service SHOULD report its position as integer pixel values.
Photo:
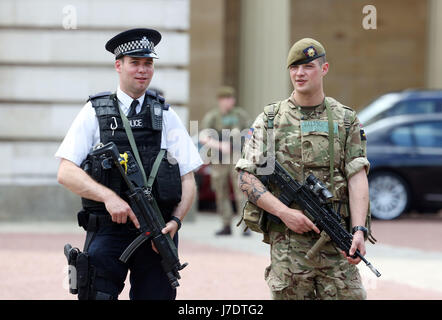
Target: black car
(405, 153)
(401, 102)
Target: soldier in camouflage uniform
(301, 146)
(233, 120)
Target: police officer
(302, 146)
(228, 121)
(103, 192)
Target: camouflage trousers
(219, 178)
(328, 276)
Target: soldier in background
(232, 120)
(301, 140)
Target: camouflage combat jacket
(236, 118)
(301, 144)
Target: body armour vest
(302, 144)
(167, 186)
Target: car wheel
(389, 195)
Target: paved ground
(408, 254)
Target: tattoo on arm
(251, 185)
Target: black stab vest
(148, 143)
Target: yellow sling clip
(124, 160)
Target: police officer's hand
(296, 221)
(170, 228)
(120, 210)
(357, 243)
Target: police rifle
(313, 198)
(146, 210)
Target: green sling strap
(331, 144)
(153, 173)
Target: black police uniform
(107, 240)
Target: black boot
(225, 231)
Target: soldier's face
(135, 74)
(226, 104)
(307, 78)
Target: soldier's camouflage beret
(304, 51)
(225, 91)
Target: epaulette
(347, 107)
(99, 95)
(161, 99)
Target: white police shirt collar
(125, 101)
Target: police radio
(156, 114)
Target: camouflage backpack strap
(270, 111)
(254, 216)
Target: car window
(439, 106)
(428, 134)
(413, 107)
(402, 136)
(373, 111)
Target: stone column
(434, 60)
(206, 55)
(264, 44)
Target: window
(428, 134)
(413, 107)
(402, 137)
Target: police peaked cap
(139, 42)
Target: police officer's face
(135, 74)
(307, 78)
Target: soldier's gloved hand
(120, 210)
(357, 243)
(296, 221)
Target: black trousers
(148, 281)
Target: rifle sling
(331, 145)
(153, 173)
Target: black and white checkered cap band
(144, 43)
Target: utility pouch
(100, 169)
(255, 218)
(85, 276)
(86, 165)
(167, 184)
(82, 219)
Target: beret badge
(310, 52)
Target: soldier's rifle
(313, 198)
(145, 209)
